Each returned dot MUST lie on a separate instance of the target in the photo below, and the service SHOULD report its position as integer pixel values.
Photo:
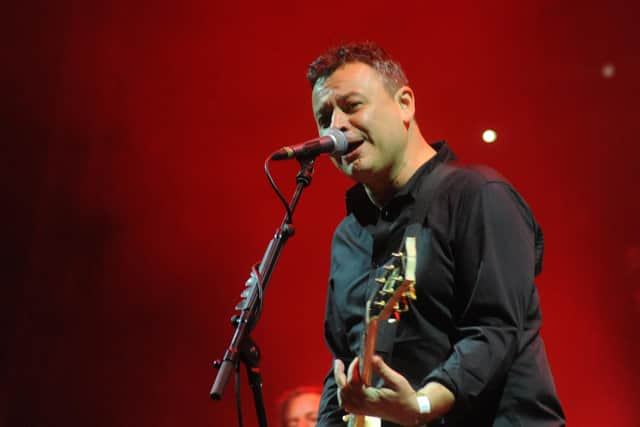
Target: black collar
(366, 212)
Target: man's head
(367, 53)
(299, 407)
(360, 90)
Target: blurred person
(299, 407)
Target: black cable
(277, 190)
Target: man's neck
(382, 191)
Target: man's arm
(496, 254)
(495, 262)
(330, 413)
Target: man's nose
(339, 120)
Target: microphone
(334, 141)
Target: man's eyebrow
(348, 94)
(326, 106)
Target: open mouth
(352, 153)
(353, 145)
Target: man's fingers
(353, 378)
(388, 402)
(392, 379)
(339, 377)
(338, 373)
(349, 385)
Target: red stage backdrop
(134, 201)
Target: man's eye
(323, 121)
(354, 105)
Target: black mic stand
(251, 306)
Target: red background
(133, 137)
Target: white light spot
(489, 136)
(608, 70)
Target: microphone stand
(242, 348)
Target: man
(468, 350)
(299, 407)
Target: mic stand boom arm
(251, 306)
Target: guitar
(396, 287)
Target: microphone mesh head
(340, 140)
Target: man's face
(355, 100)
(302, 410)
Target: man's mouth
(352, 153)
(352, 146)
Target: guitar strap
(427, 191)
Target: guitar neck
(395, 289)
(367, 350)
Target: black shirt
(474, 326)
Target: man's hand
(396, 401)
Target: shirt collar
(366, 212)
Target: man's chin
(345, 167)
(357, 173)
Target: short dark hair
(366, 52)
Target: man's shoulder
(478, 174)
(470, 178)
(349, 228)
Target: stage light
(608, 70)
(489, 136)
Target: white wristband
(424, 404)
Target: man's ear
(405, 98)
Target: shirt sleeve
(330, 414)
(495, 256)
